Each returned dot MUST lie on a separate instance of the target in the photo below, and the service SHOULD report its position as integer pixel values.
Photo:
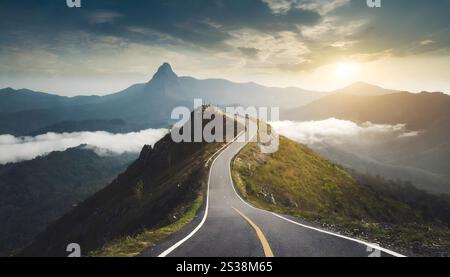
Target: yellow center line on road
(265, 244)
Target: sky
(108, 45)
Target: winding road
(230, 227)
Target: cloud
(336, 131)
(15, 149)
(271, 50)
(202, 22)
(426, 42)
(279, 6)
(102, 17)
(249, 51)
(292, 36)
(321, 6)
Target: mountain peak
(165, 67)
(364, 89)
(363, 85)
(164, 72)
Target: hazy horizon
(324, 45)
(94, 93)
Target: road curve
(230, 227)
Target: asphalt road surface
(229, 227)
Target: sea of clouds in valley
(336, 131)
(15, 149)
(313, 133)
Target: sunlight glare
(346, 70)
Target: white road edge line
(373, 246)
(176, 245)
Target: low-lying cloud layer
(336, 131)
(15, 149)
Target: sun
(346, 70)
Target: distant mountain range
(418, 111)
(149, 105)
(141, 106)
(364, 89)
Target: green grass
(133, 245)
(298, 182)
(295, 177)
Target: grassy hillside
(34, 193)
(297, 181)
(154, 192)
(132, 246)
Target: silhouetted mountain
(24, 99)
(364, 89)
(147, 105)
(418, 111)
(165, 75)
(37, 192)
